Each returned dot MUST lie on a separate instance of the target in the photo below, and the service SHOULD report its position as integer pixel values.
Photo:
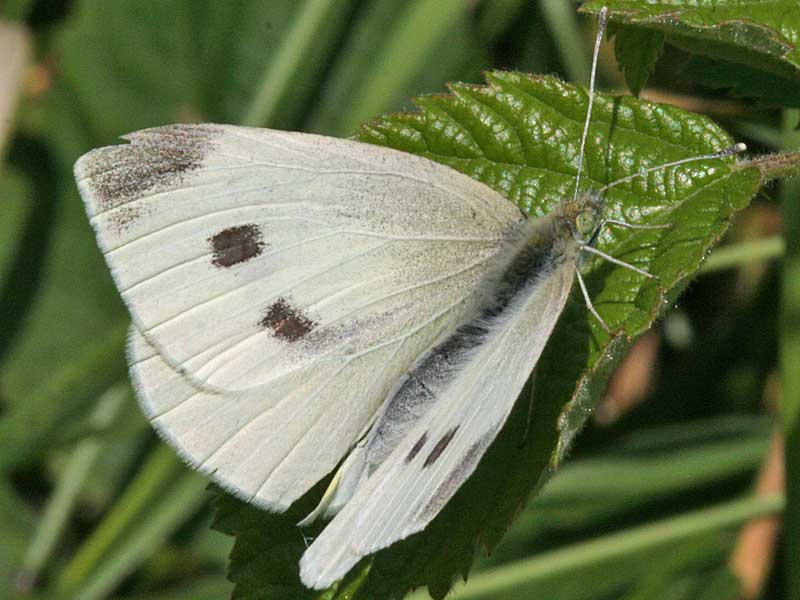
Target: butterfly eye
(586, 222)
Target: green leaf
(761, 34)
(520, 135)
(651, 468)
(264, 560)
(637, 51)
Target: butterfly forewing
(244, 254)
(278, 281)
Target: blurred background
(681, 453)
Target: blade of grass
(352, 65)
(277, 78)
(648, 468)
(494, 583)
(78, 469)
(790, 369)
(179, 502)
(160, 467)
(408, 46)
(497, 15)
(562, 23)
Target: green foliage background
(92, 506)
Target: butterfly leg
(589, 304)
(611, 259)
(616, 261)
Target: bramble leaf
(751, 41)
(637, 51)
(761, 34)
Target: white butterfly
(299, 299)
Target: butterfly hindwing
(442, 449)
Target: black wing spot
(287, 322)
(236, 245)
(440, 447)
(417, 447)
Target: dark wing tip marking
(156, 158)
(440, 446)
(236, 245)
(417, 447)
(286, 322)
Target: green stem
(735, 255)
(277, 78)
(160, 467)
(790, 369)
(496, 582)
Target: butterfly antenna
(601, 29)
(735, 149)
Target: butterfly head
(584, 216)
